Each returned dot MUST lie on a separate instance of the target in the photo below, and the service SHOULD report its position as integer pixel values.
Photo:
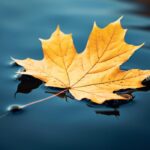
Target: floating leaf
(93, 74)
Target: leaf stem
(44, 99)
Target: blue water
(60, 124)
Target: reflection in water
(28, 83)
(108, 112)
(113, 104)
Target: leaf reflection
(114, 112)
(28, 83)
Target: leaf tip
(41, 40)
(12, 58)
(58, 28)
(120, 18)
(70, 34)
(94, 24)
(141, 45)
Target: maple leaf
(93, 74)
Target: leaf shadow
(111, 106)
(29, 83)
(114, 112)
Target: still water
(59, 123)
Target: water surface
(60, 124)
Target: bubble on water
(15, 108)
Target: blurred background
(60, 124)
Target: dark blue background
(57, 124)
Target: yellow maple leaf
(93, 74)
